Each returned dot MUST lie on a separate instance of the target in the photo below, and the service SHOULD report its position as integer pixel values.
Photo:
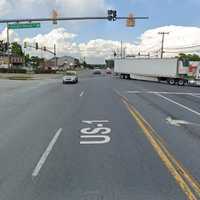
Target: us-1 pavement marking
(46, 153)
(96, 133)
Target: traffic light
(115, 54)
(36, 46)
(54, 17)
(130, 21)
(45, 48)
(112, 15)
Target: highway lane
(126, 166)
(182, 140)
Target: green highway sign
(24, 25)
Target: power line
(186, 47)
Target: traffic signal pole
(112, 16)
(55, 56)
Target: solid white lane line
(42, 160)
(156, 92)
(179, 104)
(82, 93)
(197, 96)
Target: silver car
(70, 77)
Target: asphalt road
(102, 139)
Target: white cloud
(149, 42)
(64, 7)
(60, 37)
(179, 37)
(13, 36)
(5, 7)
(82, 7)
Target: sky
(98, 39)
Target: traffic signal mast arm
(39, 48)
(109, 17)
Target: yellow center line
(181, 170)
(148, 131)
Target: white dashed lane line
(82, 93)
(46, 153)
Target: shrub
(45, 71)
(13, 70)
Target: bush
(13, 70)
(45, 71)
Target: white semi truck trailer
(172, 70)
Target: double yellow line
(189, 185)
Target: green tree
(16, 49)
(27, 59)
(190, 57)
(110, 63)
(35, 60)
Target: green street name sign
(24, 25)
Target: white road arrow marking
(179, 122)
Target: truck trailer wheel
(171, 81)
(127, 76)
(181, 82)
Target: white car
(70, 77)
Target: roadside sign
(24, 25)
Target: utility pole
(55, 56)
(121, 49)
(124, 56)
(8, 44)
(163, 40)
